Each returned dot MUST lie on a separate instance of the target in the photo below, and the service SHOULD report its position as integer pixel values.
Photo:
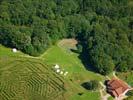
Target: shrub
(91, 85)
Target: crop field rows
(29, 80)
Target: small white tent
(14, 50)
(56, 66)
(58, 70)
(65, 73)
(61, 72)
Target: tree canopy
(105, 28)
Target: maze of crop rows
(27, 80)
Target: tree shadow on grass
(75, 51)
(84, 57)
(85, 85)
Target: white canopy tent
(14, 50)
(65, 73)
(58, 70)
(56, 66)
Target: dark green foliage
(129, 93)
(122, 67)
(104, 27)
(79, 48)
(91, 85)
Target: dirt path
(104, 97)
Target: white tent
(61, 72)
(58, 70)
(65, 73)
(14, 50)
(56, 66)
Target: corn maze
(29, 80)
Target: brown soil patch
(68, 43)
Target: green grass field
(77, 74)
(21, 70)
(8, 52)
(27, 78)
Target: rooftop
(116, 87)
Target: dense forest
(104, 28)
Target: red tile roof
(116, 87)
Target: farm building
(117, 87)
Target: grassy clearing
(87, 96)
(8, 52)
(69, 62)
(58, 54)
(77, 74)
